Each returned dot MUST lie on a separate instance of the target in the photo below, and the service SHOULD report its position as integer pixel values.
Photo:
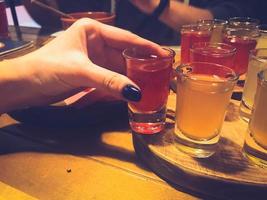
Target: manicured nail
(131, 93)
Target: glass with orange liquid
(191, 34)
(257, 62)
(218, 53)
(152, 74)
(203, 93)
(256, 149)
(244, 40)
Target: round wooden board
(226, 174)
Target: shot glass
(255, 146)
(257, 62)
(262, 41)
(152, 74)
(3, 20)
(218, 26)
(203, 94)
(243, 22)
(244, 40)
(191, 34)
(218, 53)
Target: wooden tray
(227, 174)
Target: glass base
(254, 152)
(147, 123)
(195, 148)
(244, 111)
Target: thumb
(111, 83)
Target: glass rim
(231, 78)
(171, 54)
(252, 53)
(263, 29)
(196, 27)
(254, 32)
(244, 20)
(213, 21)
(189, 25)
(230, 50)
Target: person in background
(48, 19)
(88, 54)
(139, 17)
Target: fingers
(92, 97)
(111, 83)
(122, 39)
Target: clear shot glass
(218, 53)
(152, 74)
(218, 26)
(203, 94)
(257, 62)
(191, 34)
(255, 145)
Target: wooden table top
(91, 162)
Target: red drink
(218, 53)
(191, 34)
(153, 80)
(243, 46)
(152, 74)
(244, 40)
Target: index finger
(121, 39)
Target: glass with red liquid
(218, 53)
(152, 74)
(218, 26)
(3, 20)
(244, 40)
(191, 34)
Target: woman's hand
(88, 54)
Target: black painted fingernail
(131, 93)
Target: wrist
(163, 4)
(147, 6)
(15, 84)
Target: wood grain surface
(228, 173)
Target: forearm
(178, 14)
(15, 84)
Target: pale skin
(176, 15)
(88, 54)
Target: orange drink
(255, 145)
(257, 62)
(203, 93)
(207, 96)
(258, 123)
